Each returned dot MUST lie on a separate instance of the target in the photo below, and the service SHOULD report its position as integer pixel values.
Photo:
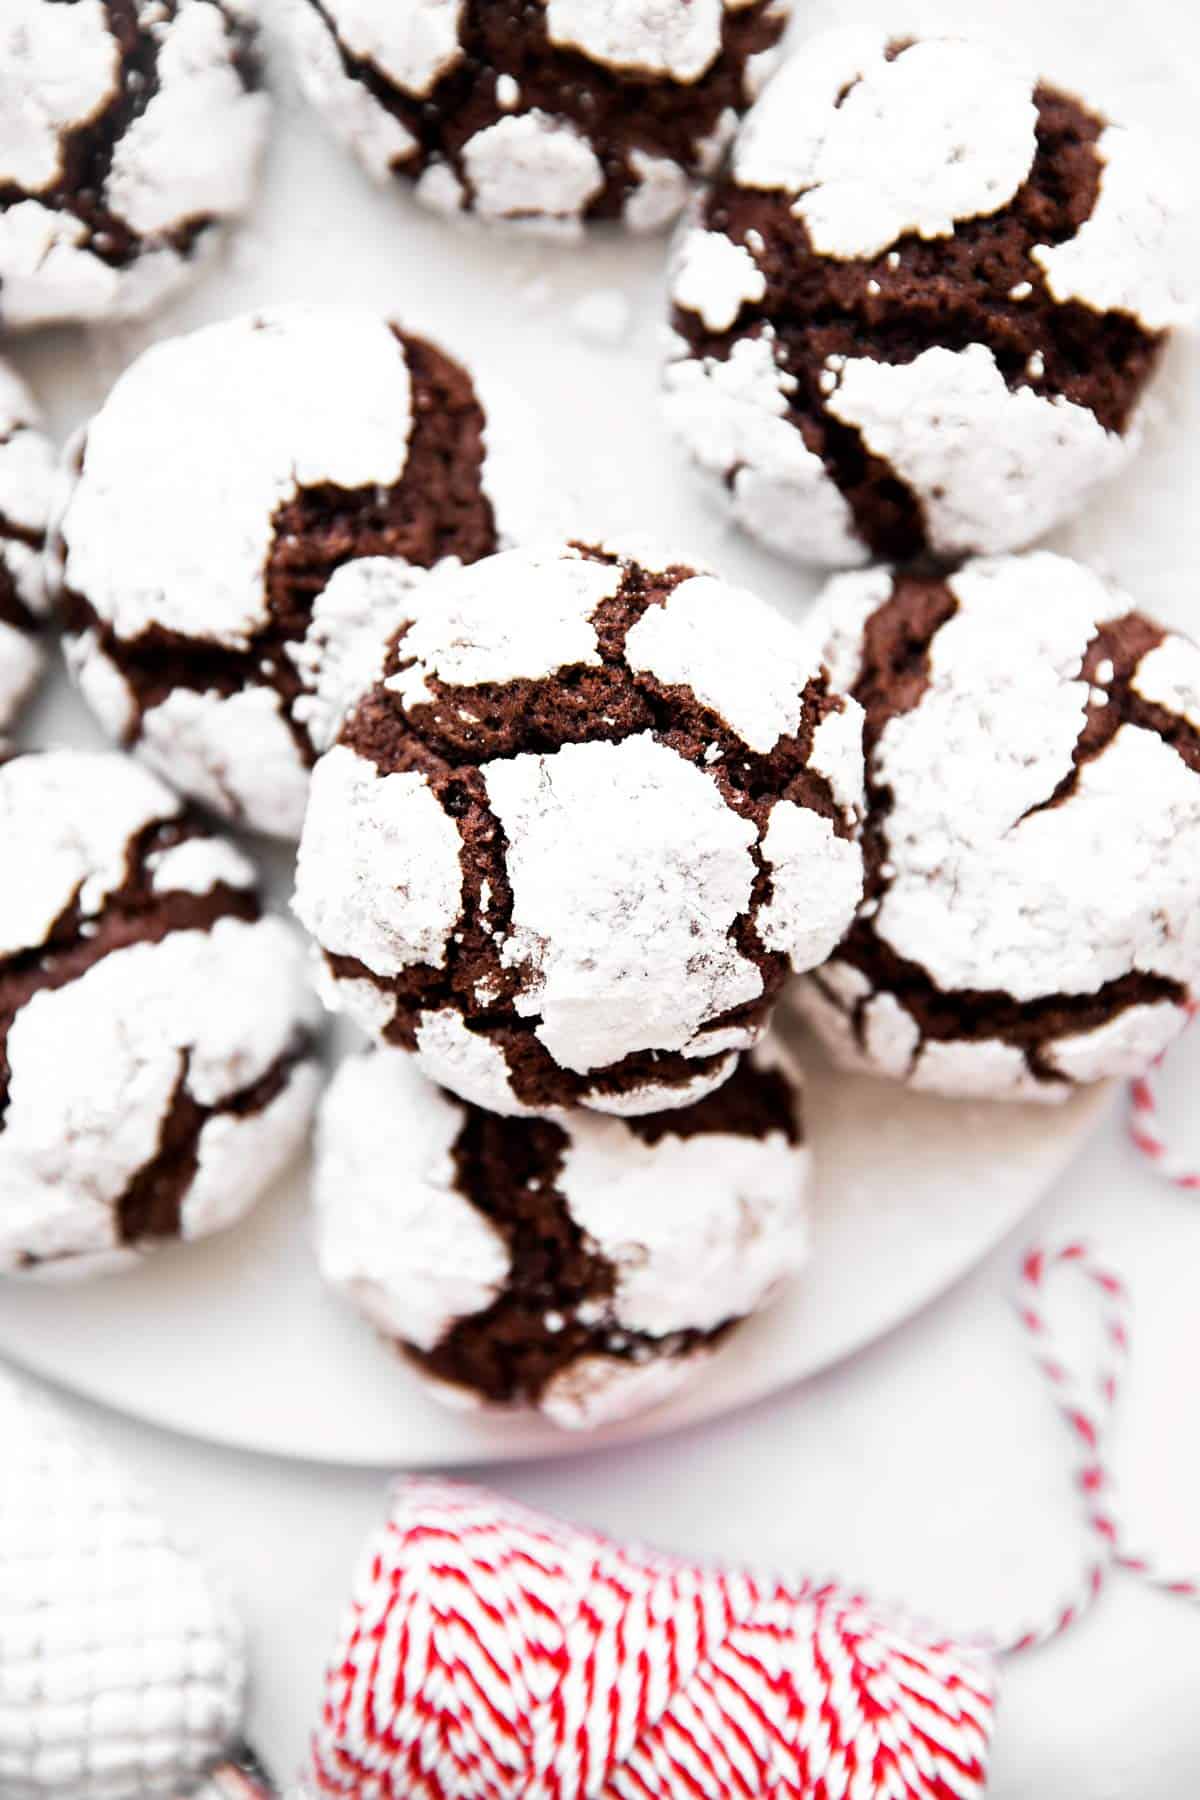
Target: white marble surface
(929, 1467)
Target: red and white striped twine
(491, 1654)
(1086, 1399)
(1146, 1127)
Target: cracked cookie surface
(572, 844)
(539, 114)
(919, 306)
(156, 1032)
(1031, 917)
(130, 130)
(218, 549)
(583, 1265)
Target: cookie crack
(151, 1207)
(132, 914)
(510, 37)
(557, 1303)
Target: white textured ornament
(122, 1660)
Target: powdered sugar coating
(699, 1228)
(675, 38)
(533, 170)
(49, 275)
(94, 1066)
(74, 813)
(732, 414)
(1015, 864)
(467, 1063)
(697, 639)
(413, 45)
(176, 531)
(1038, 904)
(343, 651)
(1126, 256)
(537, 117)
(57, 70)
(26, 480)
(181, 162)
(873, 148)
(624, 934)
(171, 163)
(602, 1390)
(816, 879)
(264, 1143)
(375, 135)
(992, 466)
(195, 1015)
(615, 897)
(394, 1233)
(714, 278)
(172, 528)
(1169, 676)
(506, 619)
(20, 666)
(198, 864)
(660, 193)
(1124, 1047)
(232, 752)
(378, 876)
(939, 396)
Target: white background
(929, 1468)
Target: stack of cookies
(574, 817)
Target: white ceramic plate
(233, 1340)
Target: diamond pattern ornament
(122, 1663)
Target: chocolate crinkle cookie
(129, 131)
(571, 846)
(26, 479)
(539, 114)
(228, 477)
(585, 1266)
(919, 307)
(1032, 842)
(155, 1030)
